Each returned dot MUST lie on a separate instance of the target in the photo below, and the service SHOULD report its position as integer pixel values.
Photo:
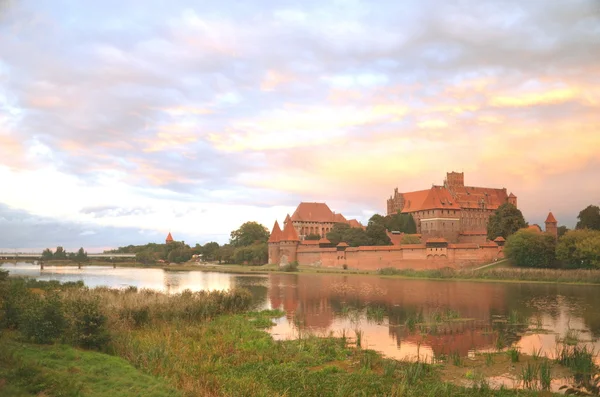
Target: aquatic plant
(456, 358)
(545, 375)
(529, 375)
(513, 353)
(489, 359)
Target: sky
(123, 120)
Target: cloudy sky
(122, 120)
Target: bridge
(38, 255)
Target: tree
(589, 218)
(377, 219)
(376, 233)
(505, 221)
(47, 254)
(528, 248)
(225, 253)
(336, 234)
(81, 256)
(209, 251)
(312, 236)
(248, 234)
(403, 223)
(562, 230)
(576, 248)
(60, 253)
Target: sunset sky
(122, 120)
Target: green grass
(60, 370)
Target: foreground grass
(233, 356)
(60, 370)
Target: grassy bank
(59, 370)
(190, 344)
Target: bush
(579, 249)
(87, 324)
(43, 319)
(3, 275)
(291, 267)
(527, 248)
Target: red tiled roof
(511, 195)
(169, 237)
(464, 245)
(287, 219)
(275, 233)
(324, 241)
(354, 223)
(551, 218)
(499, 238)
(395, 238)
(313, 212)
(289, 233)
(471, 196)
(413, 201)
(339, 218)
(342, 244)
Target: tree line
(578, 248)
(60, 254)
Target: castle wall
(413, 256)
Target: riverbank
(500, 273)
(209, 344)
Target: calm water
(462, 317)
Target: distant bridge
(38, 255)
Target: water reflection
(401, 318)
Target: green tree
(313, 236)
(209, 251)
(376, 233)
(527, 248)
(81, 256)
(589, 250)
(60, 253)
(47, 254)
(562, 230)
(248, 234)
(377, 219)
(575, 248)
(337, 232)
(589, 218)
(403, 223)
(505, 221)
(410, 239)
(225, 253)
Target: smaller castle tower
(512, 199)
(274, 238)
(169, 239)
(552, 225)
(288, 244)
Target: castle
(453, 211)
(451, 220)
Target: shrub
(291, 267)
(87, 324)
(43, 319)
(579, 248)
(3, 275)
(527, 248)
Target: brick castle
(451, 222)
(453, 211)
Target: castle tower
(512, 199)
(455, 179)
(273, 243)
(169, 239)
(288, 244)
(552, 225)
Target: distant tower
(552, 225)
(455, 179)
(169, 239)
(512, 199)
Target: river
(401, 318)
